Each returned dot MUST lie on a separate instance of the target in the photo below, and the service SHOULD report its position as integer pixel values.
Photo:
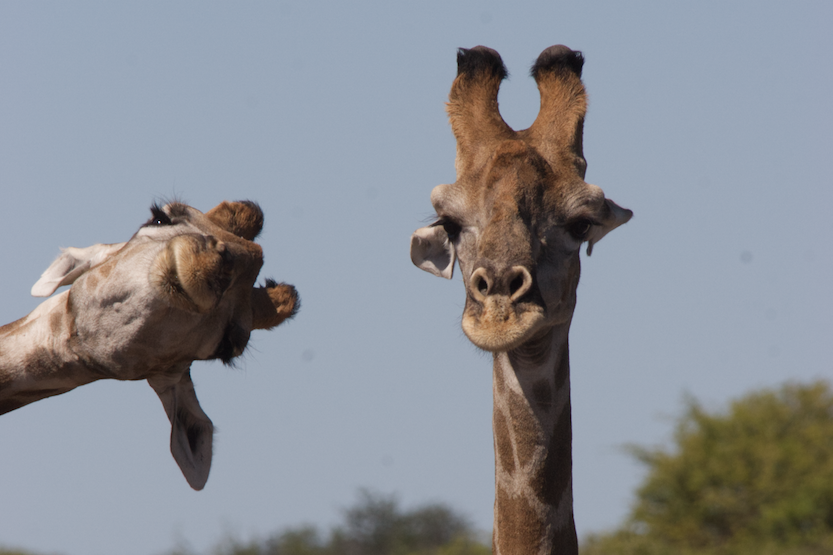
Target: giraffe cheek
(558, 289)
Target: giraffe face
(517, 240)
(180, 289)
(520, 209)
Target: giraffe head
(181, 289)
(520, 209)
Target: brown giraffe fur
(514, 221)
(181, 289)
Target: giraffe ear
(70, 265)
(614, 216)
(192, 433)
(432, 251)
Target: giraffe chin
(500, 326)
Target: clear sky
(712, 121)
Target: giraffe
(181, 289)
(514, 222)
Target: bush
(757, 478)
(373, 526)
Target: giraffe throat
(533, 450)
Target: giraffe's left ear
(432, 251)
(70, 265)
(612, 217)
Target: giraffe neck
(36, 360)
(533, 449)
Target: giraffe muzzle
(500, 313)
(195, 271)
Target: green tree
(757, 478)
(301, 540)
(375, 525)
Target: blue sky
(711, 121)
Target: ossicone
(243, 218)
(480, 59)
(557, 59)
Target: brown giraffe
(514, 221)
(181, 289)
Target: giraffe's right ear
(432, 251)
(70, 265)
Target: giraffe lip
(499, 325)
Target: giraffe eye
(579, 229)
(158, 217)
(452, 228)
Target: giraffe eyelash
(451, 227)
(158, 217)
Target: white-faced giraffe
(181, 289)
(514, 221)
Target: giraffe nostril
(482, 286)
(516, 284)
(521, 283)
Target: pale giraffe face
(519, 211)
(179, 290)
